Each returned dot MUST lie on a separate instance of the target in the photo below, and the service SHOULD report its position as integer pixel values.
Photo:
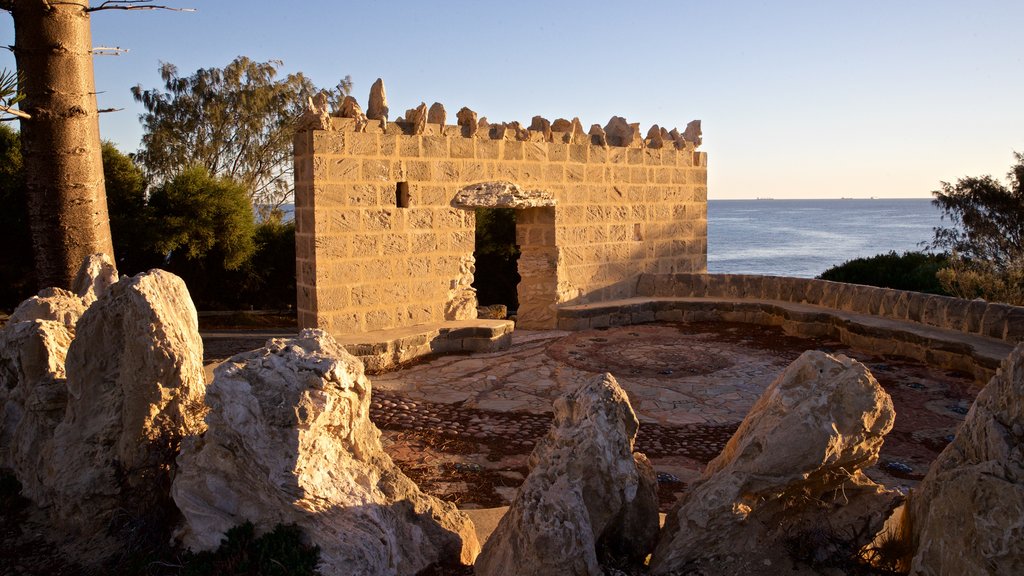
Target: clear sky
(799, 99)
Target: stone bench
(383, 350)
(940, 347)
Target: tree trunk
(61, 142)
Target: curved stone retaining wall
(999, 321)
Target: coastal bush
(279, 552)
(986, 239)
(915, 271)
(17, 270)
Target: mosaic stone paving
(463, 426)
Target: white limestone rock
(437, 114)
(967, 515)
(290, 441)
(501, 194)
(793, 467)
(134, 389)
(467, 122)
(95, 277)
(317, 114)
(587, 494)
(33, 391)
(54, 304)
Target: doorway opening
(496, 252)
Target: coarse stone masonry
(380, 242)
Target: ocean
(803, 238)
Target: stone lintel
(501, 194)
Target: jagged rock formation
(54, 304)
(967, 516)
(793, 467)
(587, 495)
(290, 441)
(501, 194)
(437, 114)
(33, 391)
(135, 387)
(99, 405)
(377, 106)
(317, 115)
(95, 277)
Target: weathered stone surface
(577, 133)
(793, 467)
(501, 195)
(655, 138)
(317, 115)
(541, 125)
(96, 275)
(350, 109)
(967, 516)
(598, 136)
(377, 105)
(290, 441)
(622, 133)
(416, 119)
(437, 114)
(54, 304)
(584, 497)
(692, 133)
(461, 302)
(135, 388)
(33, 391)
(467, 120)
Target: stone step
(383, 350)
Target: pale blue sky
(799, 99)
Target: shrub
(281, 552)
(914, 271)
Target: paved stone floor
(463, 426)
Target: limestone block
(501, 194)
(377, 105)
(483, 128)
(598, 135)
(416, 119)
(542, 126)
(655, 138)
(793, 467)
(350, 109)
(587, 495)
(693, 134)
(316, 115)
(33, 391)
(967, 515)
(622, 133)
(290, 441)
(467, 120)
(95, 277)
(437, 114)
(54, 304)
(135, 386)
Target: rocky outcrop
(316, 115)
(967, 516)
(54, 304)
(587, 495)
(290, 441)
(33, 391)
(134, 390)
(793, 468)
(95, 277)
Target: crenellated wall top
(432, 121)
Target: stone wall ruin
(385, 212)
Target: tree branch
(14, 112)
(134, 5)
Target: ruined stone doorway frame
(535, 236)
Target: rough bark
(61, 143)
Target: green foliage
(9, 94)
(986, 239)
(237, 122)
(197, 216)
(17, 269)
(496, 278)
(914, 271)
(281, 552)
(130, 222)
